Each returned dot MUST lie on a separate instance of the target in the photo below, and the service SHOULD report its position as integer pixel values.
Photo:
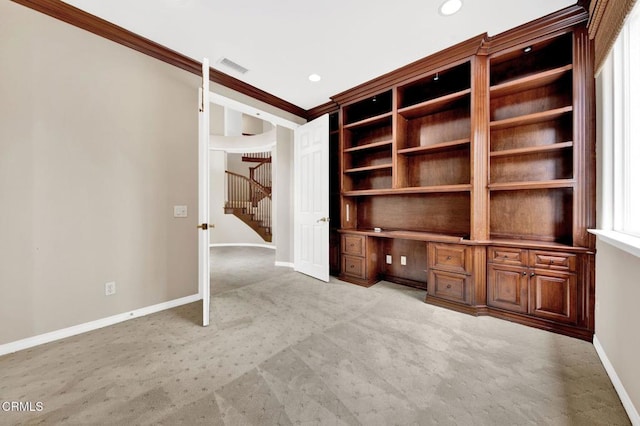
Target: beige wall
(618, 315)
(97, 143)
(617, 288)
(283, 193)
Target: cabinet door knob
(533, 274)
(524, 273)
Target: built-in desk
(405, 235)
(447, 266)
(532, 282)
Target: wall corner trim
(631, 410)
(52, 336)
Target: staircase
(249, 200)
(260, 174)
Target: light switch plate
(180, 211)
(389, 260)
(403, 260)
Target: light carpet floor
(286, 349)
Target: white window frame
(620, 140)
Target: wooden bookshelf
(474, 163)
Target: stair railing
(257, 156)
(261, 174)
(243, 193)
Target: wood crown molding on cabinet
(481, 44)
(100, 27)
(547, 25)
(325, 108)
(431, 63)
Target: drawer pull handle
(551, 262)
(448, 285)
(448, 257)
(352, 266)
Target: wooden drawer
(354, 244)
(448, 285)
(450, 257)
(552, 260)
(507, 255)
(354, 266)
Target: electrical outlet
(110, 288)
(389, 260)
(403, 260)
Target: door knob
(206, 226)
(323, 219)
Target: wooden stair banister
(261, 174)
(257, 157)
(250, 202)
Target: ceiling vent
(232, 65)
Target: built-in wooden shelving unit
(474, 170)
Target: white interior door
(203, 195)
(311, 214)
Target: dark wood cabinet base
(580, 333)
(356, 281)
(572, 331)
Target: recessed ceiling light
(314, 77)
(449, 7)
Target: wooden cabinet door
(553, 295)
(507, 287)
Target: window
(619, 123)
(627, 144)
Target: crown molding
(100, 27)
(554, 23)
(456, 53)
(325, 108)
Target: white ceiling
(281, 42)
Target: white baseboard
(269, 246)
(631, 410)
(30, 342)
(285, 264)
